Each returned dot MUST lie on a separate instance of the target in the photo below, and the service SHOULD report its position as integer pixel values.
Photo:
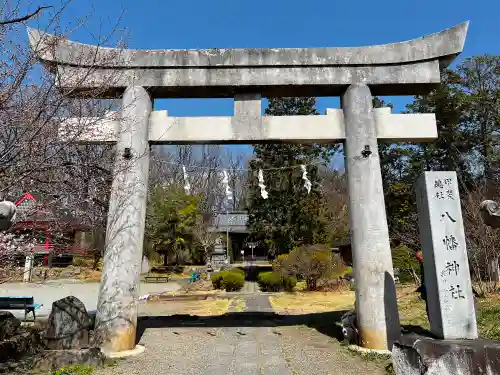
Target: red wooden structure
(31, 216)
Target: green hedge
(217, 279)
(233, 281)
(230, 281)
(274, 282)
(238, 270)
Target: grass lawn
(411, 307)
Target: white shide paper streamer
(307, 183)
(225, 182)
(264, 194)
(187, 186)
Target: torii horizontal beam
(252, 130)
(405, 68)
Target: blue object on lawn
(194, 277)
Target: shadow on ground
(417, 330)
(325, 323)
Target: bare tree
(237, 178)
(483, 244)
(203, 236)
(25, 17)
(334, 210)
(203, 165)
(70, 179)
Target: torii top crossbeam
(404, 68)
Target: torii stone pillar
(376, 304)
(353, 73)
(116, 317)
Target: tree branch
(26, 17)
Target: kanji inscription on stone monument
(448, 283)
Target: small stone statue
(490, 213)
(350, 327)
(7, 214)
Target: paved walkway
(248, 343)
(250, 287)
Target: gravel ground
(46, 293)
(309, 352)
(215, 346)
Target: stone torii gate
(355, 74)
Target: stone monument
(68, 326)
(490, 213)
(219, 255)
(446, 267)
(353, 73)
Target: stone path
(247, 343)
(250, 287)
(258, 303)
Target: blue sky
(193, 24)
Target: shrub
(270, 282)
(238, 270)
(335, 285)
(281, 264)
(217, 279)
(289, 283)
(312, 264)
(82, 262)
(274, 282)
(233, 281)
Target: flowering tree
(70, 179)
(13, 251)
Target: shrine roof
(31, 213)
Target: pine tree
(290, 216)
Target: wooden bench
(26, 303)
(158, 279)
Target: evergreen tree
(290, 216)
(467, 108)
(171, 219)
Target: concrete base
(419, 355)
(139, 349)
(360, 349)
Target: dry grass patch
(208, 307)
(238, 304)
(411, 308)
(90, 275)
(311, 302)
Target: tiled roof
(31, 211)
(25, 205)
